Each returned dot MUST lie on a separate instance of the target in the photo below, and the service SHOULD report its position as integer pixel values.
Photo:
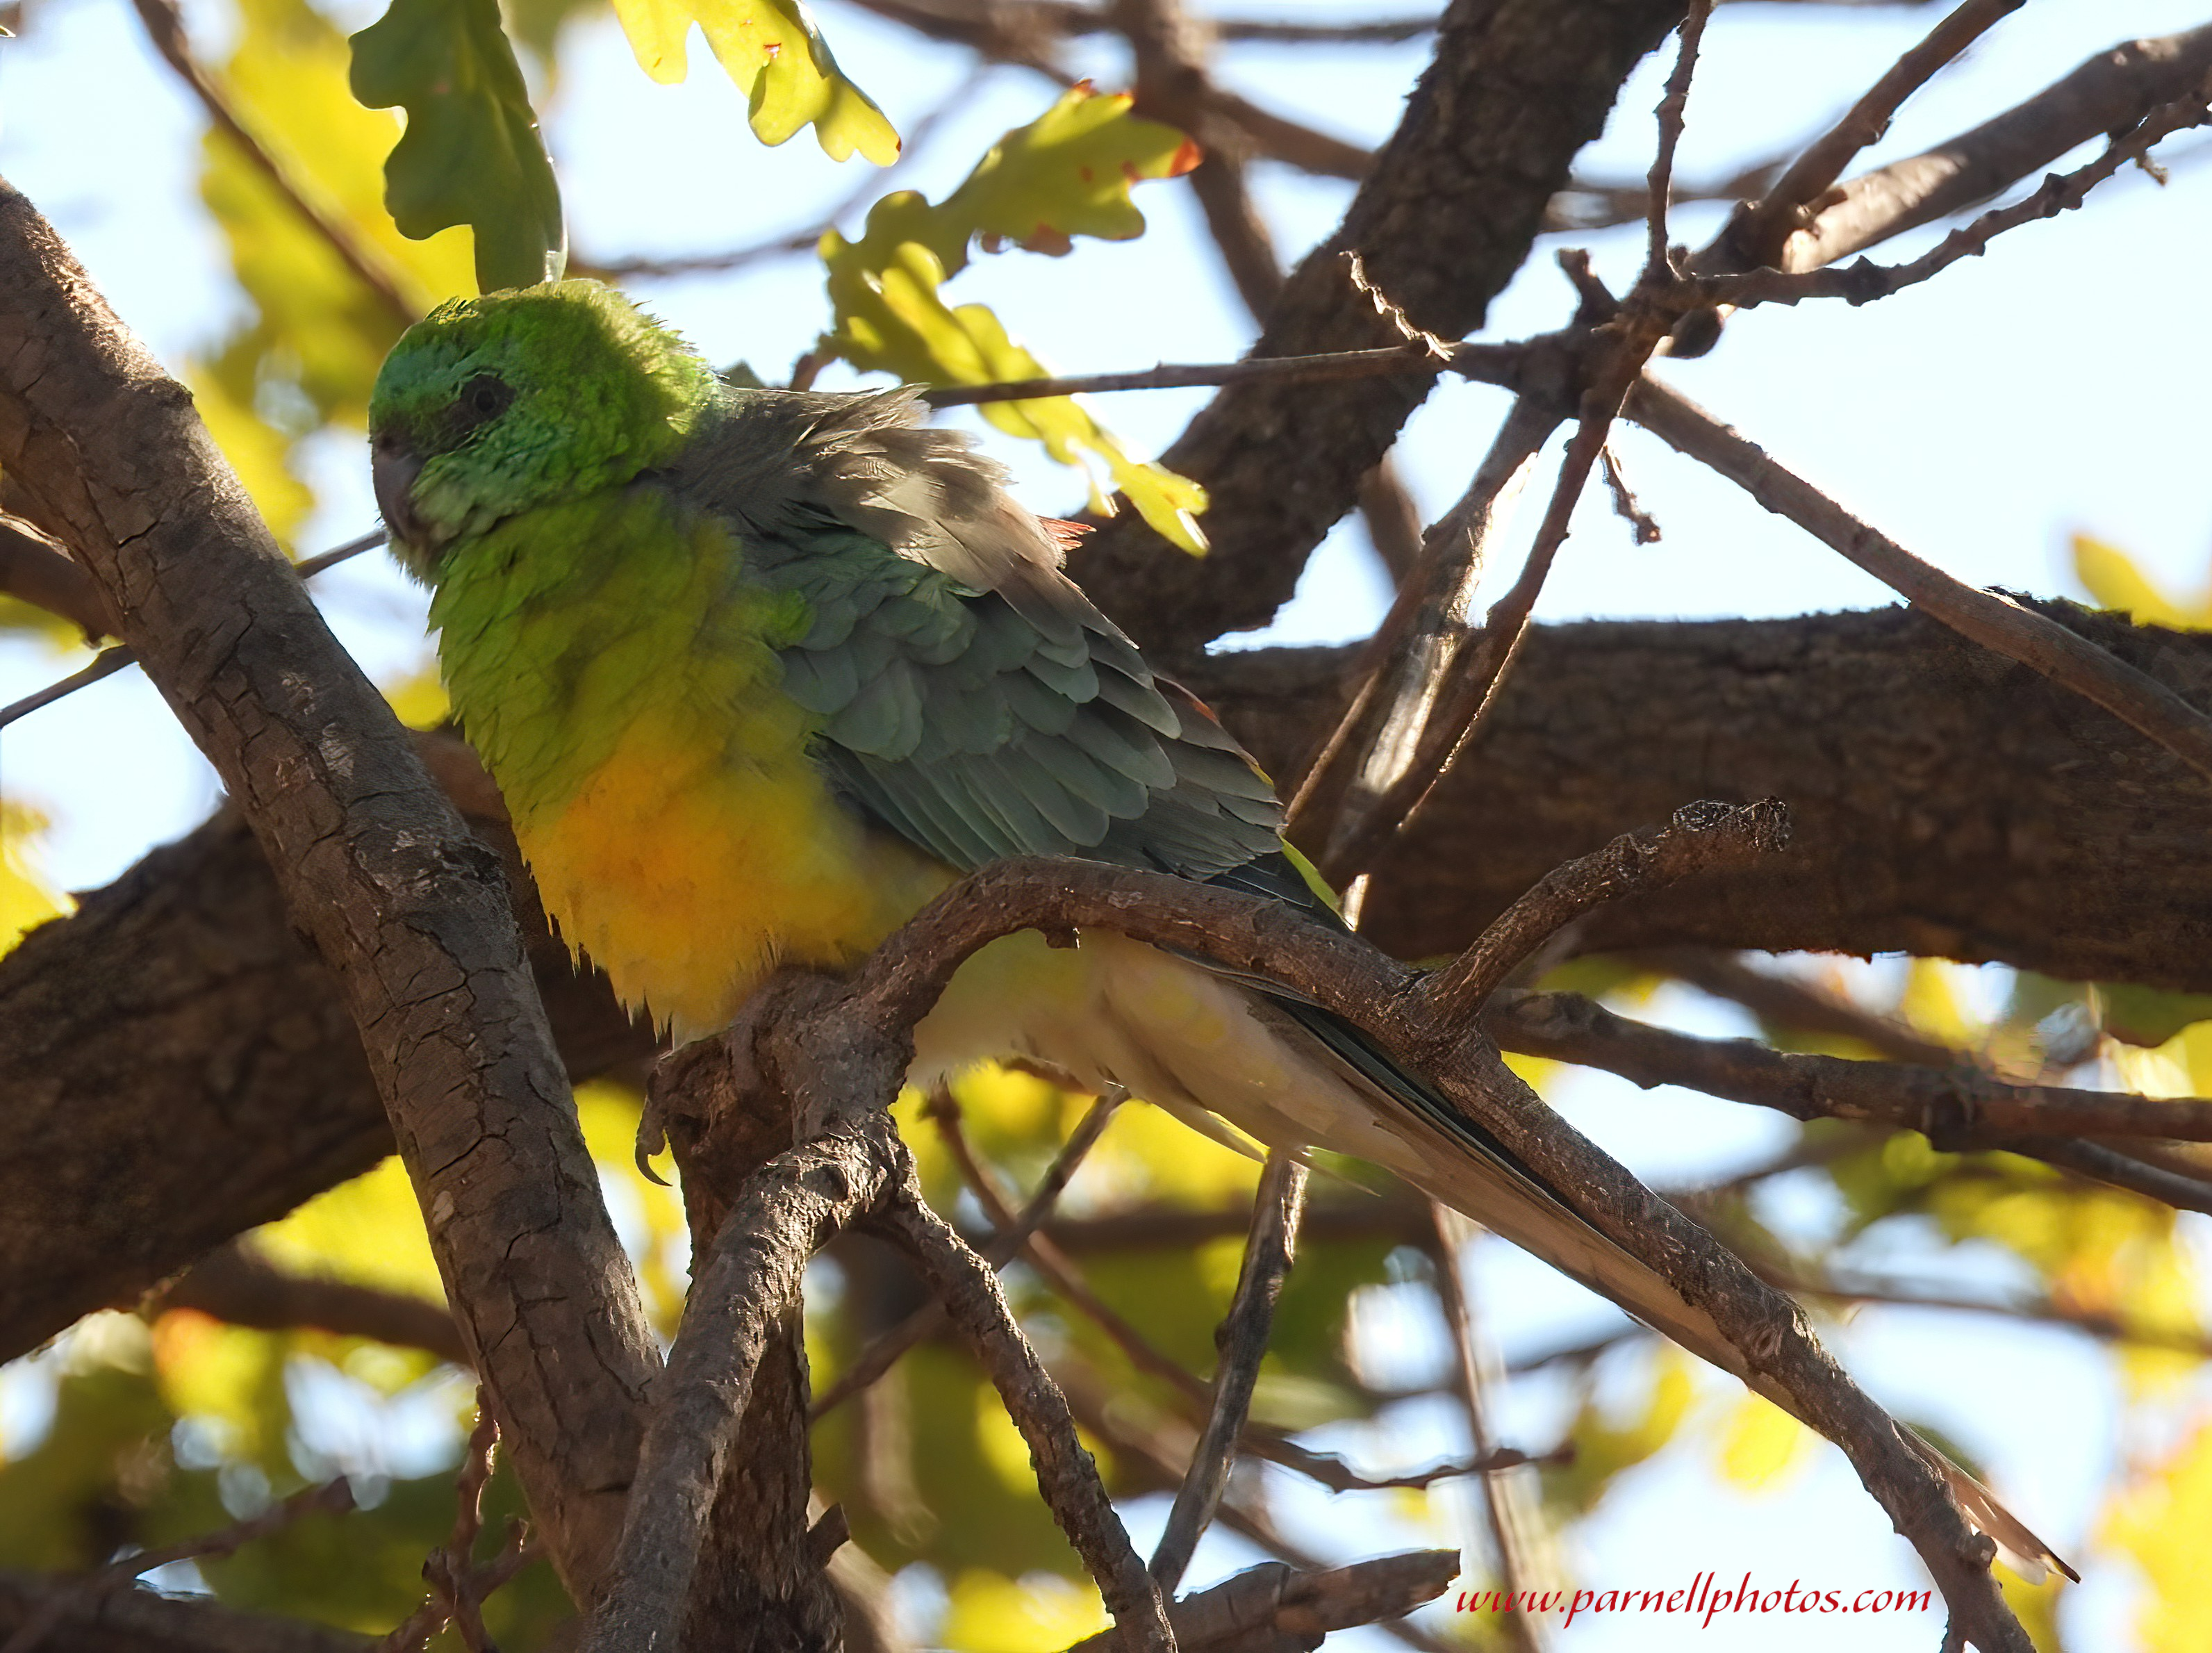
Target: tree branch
(1756, 236)
(1065, 1475)
(1997, 623)
(411, 913)
(1275, 1608)
(748, 1283)
(1955, 1108)
(1241, 1340)
(1701, 838)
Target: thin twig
(332, 1498)
(1495, 364)
(1997, 623)
(1626, 505)
(1791, 1003)
(1157, 1465)
(1066, 1280)
(870, 190)
(105, 664)
(1866, 281)
(1702, 838)
(165, 27)
(1421, 635)
(1510, 1501)
(450, 1570)
(109, 661)
(1674, 104)
(968, 1287)
(1241, 1340)
(2111, 92)
(1954, 1108)
(1756, 236)
(1275, 1605)
(880, 1356)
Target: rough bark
(139, 1621)
(1442, 220)
(175, 1066)
(410, 912)
(1946, 802)
(760, 1587)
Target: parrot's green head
(520, 399)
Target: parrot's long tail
(1453, 1159)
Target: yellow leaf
(420, 702)
(368, 1231)
(778, 59)
(1066, 173)
(1761, 1444)
(27, 899)
(1933, 1003)
(258, 451)
(2111, 576)
(989, 1612)
(2162, 1521)
(228, 1375)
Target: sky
(2051, 387)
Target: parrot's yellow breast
(689, 869)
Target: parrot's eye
(483, 399)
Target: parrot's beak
(393, 465)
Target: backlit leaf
(2160, 1521)
(1761, 1444)
(26, 898)
(1066, 173)
(471, 154)
(989, 1612)
(778, 59)
(2112, 577)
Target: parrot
(760, 672)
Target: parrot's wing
(972, 700)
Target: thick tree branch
(139, 1621)
(410, 912)
(1442, 220)
(1998, 623)
(745, 1287)
(176, 1067)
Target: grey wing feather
(972, 700)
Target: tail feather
(1453, 1159)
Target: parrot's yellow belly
(689, 870)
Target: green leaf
(1066, 173)
(471, 154)
(778, 59)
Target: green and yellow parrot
(760, 671)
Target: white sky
(2054, 386)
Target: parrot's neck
(619, 677)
